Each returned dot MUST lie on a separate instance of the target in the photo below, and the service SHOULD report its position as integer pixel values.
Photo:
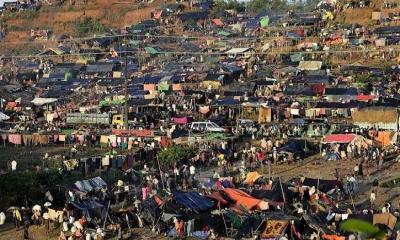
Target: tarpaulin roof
(242, 198)
(237, 50)
(375, 115)
(99, 68)
(310, 65)
(218, 22)
(151, 50)
(362, 97)
(96, 183)
(252, 177)
(225, 102)
(217, 196)
(193, 15)
(89, 205)
(224, 33)
(264, 21)
(42, 101)
(193, 200)
(341, 91)
(3, 117)
(322, 184)
(339, 138)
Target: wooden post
(283, 193)
(105, 219)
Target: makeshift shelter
(96, 184)
(193, 201)
(244, 199)
(379, 117)
(91, 208)
(43, 101)
(251, 178)
(310, 65)
(321, 184)
(264, 114)
(339, 138)
(386, 138)
(354, 139)
(386, 219)
(3, 117)
(239, 52)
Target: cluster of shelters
(241, 90)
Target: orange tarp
(218, 22)
(384, 138)
(251, 178)
(149, 87)
(176, 87)
(332, 237)
(242, 198)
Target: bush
(175, 153)
(222, 5)
(87, 25)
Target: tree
(175, 153)
(87, 25)
(262, 5)
(222, 5)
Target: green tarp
(296, 57)
(264, 22)
(105, 103)
(163, 86)
(224, 33)
(151, 50)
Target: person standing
(17, 218)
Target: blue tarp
(89, 206)
(226, 102)
(252, 23)
(151, 79)
(195, 16)
(193, 200)
(92, 184)
(295, 146)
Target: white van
(206, 127)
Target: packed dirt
(60, 19)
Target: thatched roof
(375, 115)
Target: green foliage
(175, 153)
(86, 25)
(15, 186)
(261, 5)
(368, 230)
(222, 5)
(27, 49)
(363, 78)
(27, 14)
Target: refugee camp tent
(322, 184)
(243, 199)
(43, 101)
(386, 138)
(251, 178)
(339, 138)
(264, 114)
(91, 208)
(310, 65)
(88, 185)
(3, 117)
(193, 201)
(380, 117)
